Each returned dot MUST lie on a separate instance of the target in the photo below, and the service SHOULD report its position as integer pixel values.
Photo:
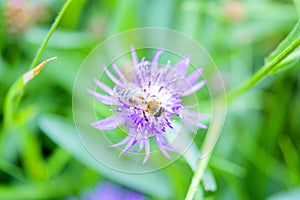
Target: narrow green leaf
(32, 157)
(64, 134)
(12, 170)
(228, 166)
(292, 36)
(287, 63)
(285, 49)
(57, 161)
(51, 31)
(72, 15)
(16, 91)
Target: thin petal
(141, 145)
(128, 146)
(112, 77)
(182, 66)
(179, 85)
(104, 87)
(194, 88)
(163, 150)
(190, 106)
(201, 125)
(188, 125)
(195, 122)
(102, 98)
(120, 143)
(120, 74)
(135, 60)
(167, 145)
(108, 123)
(162, 147)
(154, 63)
(193, 77)
(147, 150)
(189, 113)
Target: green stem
(197, 177)
(264, 71)
(51, 31)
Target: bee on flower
(146, 105)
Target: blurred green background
(257, 156)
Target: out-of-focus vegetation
(257, 156)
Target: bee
(135, 97)
(154, 108)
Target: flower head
(146, 106)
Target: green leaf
(57, 161)
(292, 36)
(12, 170)
(51, 31)
(16, 91)
(64, 134)
(227, 166)
(73, 14)
(287, 63)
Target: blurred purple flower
(146, 105)
(109, 191)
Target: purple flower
(105, 191)
(147, 105)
